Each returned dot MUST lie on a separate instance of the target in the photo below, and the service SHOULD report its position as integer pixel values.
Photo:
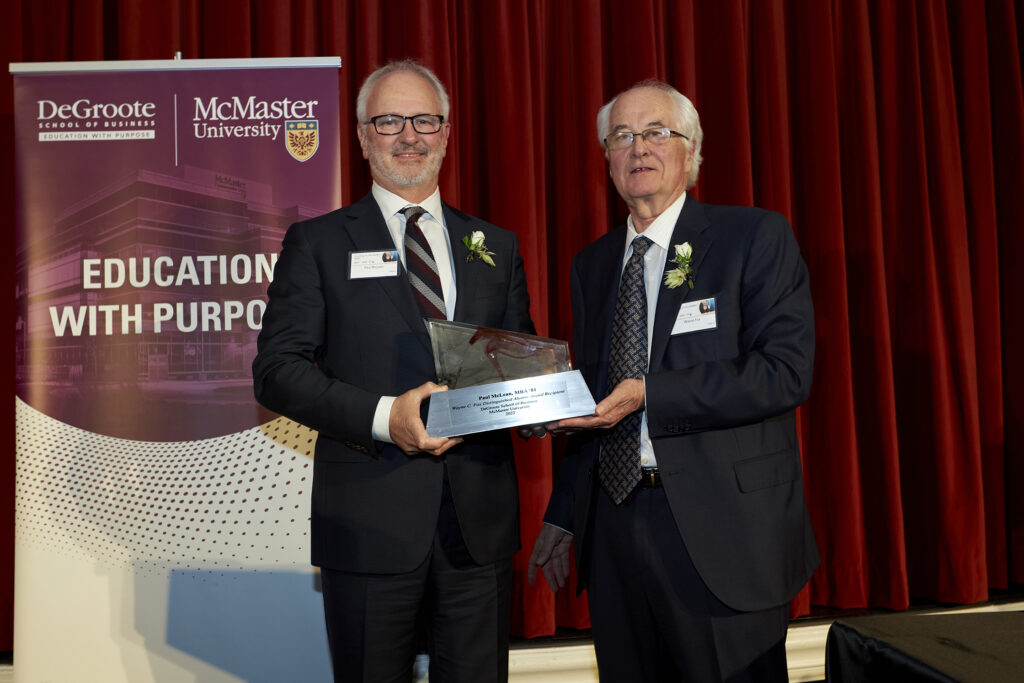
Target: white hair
(688, 122)
(407, 65)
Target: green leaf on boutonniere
(683, 272)
(476, 246)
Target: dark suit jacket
(719, 402)
(330, 347)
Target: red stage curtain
(890, 133)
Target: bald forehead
(642, 108)
(403, 92)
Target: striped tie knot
(413, 213)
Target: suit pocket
(688, 348)
(766, 471)
(332, 450)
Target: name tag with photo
(371, 264)
(695, 316)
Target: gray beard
(395, 176)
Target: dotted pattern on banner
(239, 501)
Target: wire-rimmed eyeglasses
(621, 139)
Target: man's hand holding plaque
(498, 379)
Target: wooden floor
(575, 663)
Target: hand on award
(627, 397)
(406, 426)
(551, 552)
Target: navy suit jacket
(331, 346)
(719, 402)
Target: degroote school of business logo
(301, 138)
(86, 120)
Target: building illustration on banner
(151, 290)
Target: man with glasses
(414, 535)
(683, 495)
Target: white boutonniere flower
(476, 246)
(683, 272)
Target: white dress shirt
(433, 227)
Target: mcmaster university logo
(241, 116)
(301, 139)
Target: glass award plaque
(498, 379)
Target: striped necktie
(422, 268)
(619, 463)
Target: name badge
(370, 264)
(695, 316)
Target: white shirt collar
(660, 231)
(390, 203)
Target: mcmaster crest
(301, 138)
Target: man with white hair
(408, 529)
(683, 493)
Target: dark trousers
(375, 622)
(654, 619)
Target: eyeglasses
(652, 136)
(393, 124)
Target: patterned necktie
(422, 269)
(619, 464)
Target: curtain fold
(868, 435)
(891, 134)
(972, 83)
(1006, 97)
(830, 417)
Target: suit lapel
(601, 294)
(369, 232)
(458, 228)
(692, 226)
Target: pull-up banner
(162, 519)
